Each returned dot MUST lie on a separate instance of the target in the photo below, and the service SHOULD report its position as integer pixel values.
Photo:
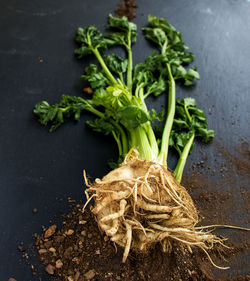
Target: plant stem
(152, 141)
(188, 115)
(121, 78)
(162, 157)
(164, 47)
(104, 66)
(123, 136)
(130, 63)
(118, 143)
(138, 89)
(148, 128)
(183, 158)
(90, 108)
(139, 141)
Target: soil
(224, 194)
(79, 251)
(126, 8)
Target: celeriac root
(140, 204)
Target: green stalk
(125, 147)
(142, 99)
(130, 63)
(114, 81)
(90, 108)
(164, 47)
(162, 157)
(138, 89)
(188, 115)
(152, 141)
(118, 143)
(121, 79)
(183, 158)
(148, 128)
(104, 66)
(139, 141)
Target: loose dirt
(126, 8)
(79, 251)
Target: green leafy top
(172, 48)
(120, 90)
(126, 31)
(116, 64)
(90, 38)
(189, 120)
(151, 75)
(95, 78)
(56, 115)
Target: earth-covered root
(140, 204)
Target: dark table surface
(37, 63)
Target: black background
(37, 167)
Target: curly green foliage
(56, 115)
(151, 75)
(119, 91)
(125, 31)
(189, 120)
(95, 78)
(90, 38)
(172, 48)
(116, 64)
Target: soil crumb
(126, 8)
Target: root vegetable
(158, 216)
(141, 202)
(153, 208)
(178, 224)
(123, 204)
(128, 242)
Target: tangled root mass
(140, 204)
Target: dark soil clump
(126, 8)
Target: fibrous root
(140, 204)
